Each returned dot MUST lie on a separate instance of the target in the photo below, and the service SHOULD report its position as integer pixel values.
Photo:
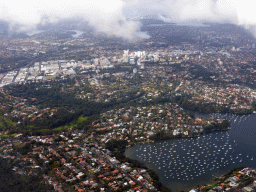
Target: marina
(183, 163)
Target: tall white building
(126, 53)
(132, 61)
(126, 56)
(96, 62)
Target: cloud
(104, 16)
(110, 16)
(240, 12)
(185, 10)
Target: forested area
(162, 135)
(6, 123)
(217, 126)
(184, 101)
(68, 107)
(9, 181)
(17, 61)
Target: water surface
(181, 164)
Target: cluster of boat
(186, 159)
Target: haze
(105, 16)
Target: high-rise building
(96, 62)
(132, 61)
(126, 53)
(126, 56)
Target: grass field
(5, 122)
(81, 119)
(7, 136)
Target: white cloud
(105, 15)
(240, 12)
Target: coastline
(228, 128)
(237, 179)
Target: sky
(105, 16)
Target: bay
(182, 164)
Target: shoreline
(228, 128)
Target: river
(182, 164)
(33, 32)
